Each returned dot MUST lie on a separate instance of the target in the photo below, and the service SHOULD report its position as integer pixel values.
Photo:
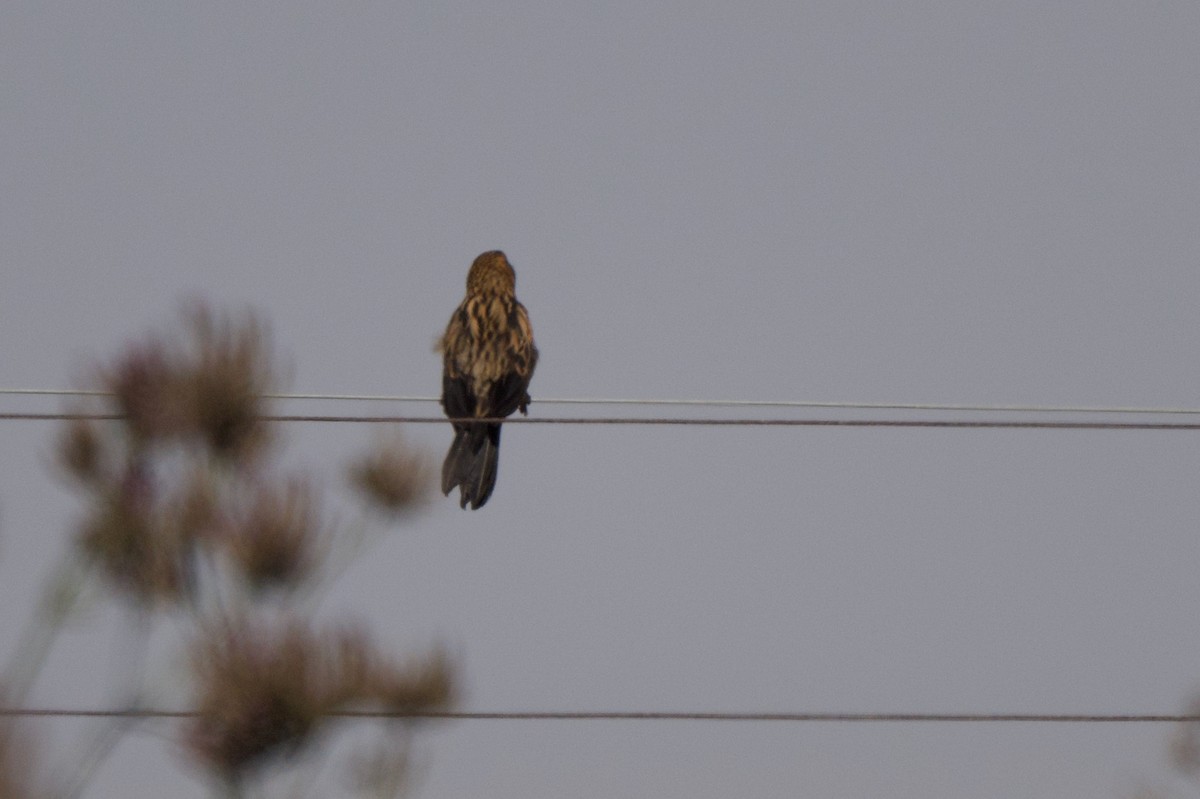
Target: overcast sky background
(855, 201)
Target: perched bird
(488, 356)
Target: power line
(646, 421)
(585, 715)
(714, 403)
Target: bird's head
(491, 274)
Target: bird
(488, 358)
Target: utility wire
(584, 715)
(713, 403)
(701, 422)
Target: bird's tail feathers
(456, 459)
(471, 464)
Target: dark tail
(471, 463)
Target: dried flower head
(265, 692)
(81, 452)
(424, 685)
(277, 542)
(393, 478)
(224, 384)
(141, 552)
(211, 387)
(146, 384)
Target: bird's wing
(458, 399)
(511, 390)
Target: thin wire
(714, 403)
(572, 715)
(917, 423)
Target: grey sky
(923, 201)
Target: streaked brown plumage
(488, 357)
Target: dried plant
(425, 685)
(146, 385)
(266, 691)
(212, 387)
(263, 692)
(182, 510)
(140, 551)
(278, 541)
(392, 478)
(170, 396)
(81, 452)
(225, 384)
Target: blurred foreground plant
(1185, 746)
(186, 515)
(264, 689)
(1183, 751)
